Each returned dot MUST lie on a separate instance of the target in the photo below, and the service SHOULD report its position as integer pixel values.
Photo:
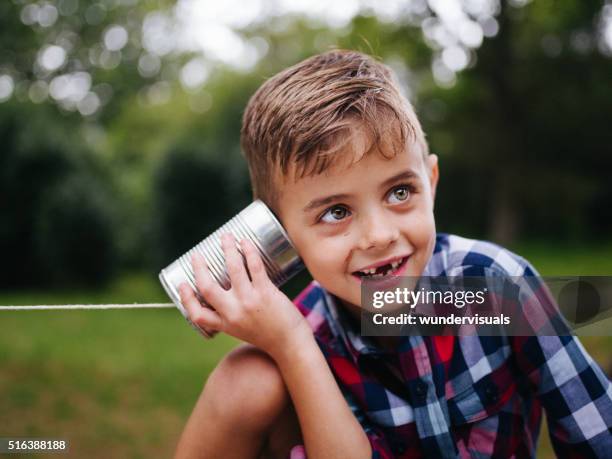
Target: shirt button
(491, 393)
(399, 447)
(420, 390)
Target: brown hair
(303, 115)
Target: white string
(88, 306)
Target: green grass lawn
(122, 383)
(113, 383)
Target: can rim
(277, 221)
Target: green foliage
(192, 198)
(49, 180)
(74, 233)
(522, 136)
(29, 167)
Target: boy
(338, 154)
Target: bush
(193, 196)
(30, 164)
(74, 234)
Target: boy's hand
(255, 311)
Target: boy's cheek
(420, 226)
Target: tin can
(256, 223)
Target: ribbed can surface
(256, 223)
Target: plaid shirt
(468, 396)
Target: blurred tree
(39, 153)
(80, 55)
(192, 198)
(25, 174)
(528, 123)
(74, 234)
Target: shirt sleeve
(573, 390)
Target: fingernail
(297, 452)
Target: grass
(567, 260)
(122, 383)
(113, 383)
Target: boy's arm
(329, 427)
(574, 391)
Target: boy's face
(372, 212)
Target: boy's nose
(378, 232)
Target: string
(87, 306)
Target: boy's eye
(338, 213)
(335, 214)
(400, 194)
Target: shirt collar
(347, 329)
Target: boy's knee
(248, 387)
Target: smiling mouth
(390, 269)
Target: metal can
(256, 223)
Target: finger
(201, 316)
(207, 287)
(255, 264)
(234, 264)
(206, 332)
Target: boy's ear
(433, 172)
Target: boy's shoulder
(312, 304)
(459, 256)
